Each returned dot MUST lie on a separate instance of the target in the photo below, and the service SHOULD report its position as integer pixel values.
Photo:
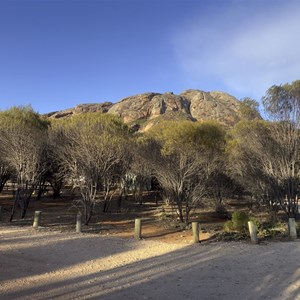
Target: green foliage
(271, 229)
(94, 153)
(246, 140)
(23, 138)
(94, 131)
(91, 121)
(266, 230)
(238, 222)
(244, 127)
(282, 102)
(183, 155)
(176, 135)
(264, 157)
(22, 117)
(249, 109)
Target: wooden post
(195, 229)
(138, 229)
(0, 213)
(292, 228)
(252, 230)
(78, 223)
(37, 217)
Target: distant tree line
(192, 163)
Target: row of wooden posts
(195, 227)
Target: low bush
(272, 230)
(238, 222)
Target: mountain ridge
(142, 111)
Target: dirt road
(38, 264)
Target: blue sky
(57, 54)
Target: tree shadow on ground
(31, 252)
(212, 271)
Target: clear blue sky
(57, 54)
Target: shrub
(273, 230)
(238, 222)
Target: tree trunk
(56, 188)
(107, 199)
(16, 200)
(22, 198)
(41, 190)
(56, 194)
(180, 213)
(25, 201)
(2, 184)
(187, 214)
(120, 198)
(105, 206)
(89, 216)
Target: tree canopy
(185, 155)
(93, 154)
(282, 102)
(23, 136)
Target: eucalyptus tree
(138, 178)
(282, 103)
(55, 175)
(266, 154)
(249, 109)
(265, 160)
(183, 156)
(94, 155)
(23, 135)
(247, 159)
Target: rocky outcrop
(148, 105)
(81, 108)
(148, 109)
(212, 106)
(142, 111)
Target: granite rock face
(212, 106)
(145, 107)
(148, 109)
(142, 111)
(81, 108)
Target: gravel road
(41, 264)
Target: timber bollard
(292, 228)
(252, 230)
(37, 217)
(195, 229)
(138, 229)
(78, 223)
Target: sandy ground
(40, 264)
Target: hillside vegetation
(187, 152)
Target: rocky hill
(144, 110)
(82, 108)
